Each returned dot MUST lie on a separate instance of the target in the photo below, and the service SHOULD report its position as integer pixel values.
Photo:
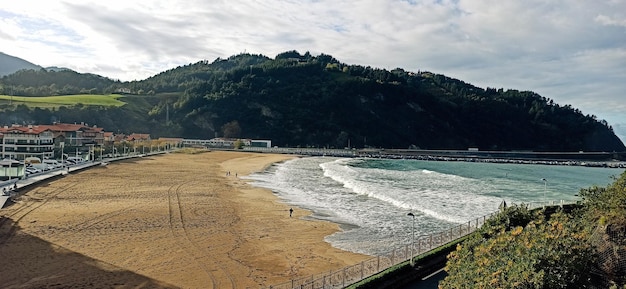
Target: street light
(545, 188)
(412, 237)
(91, 156)
(62, 144)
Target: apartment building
(19, 142)
(76, 135)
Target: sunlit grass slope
(64, 100)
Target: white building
(225, 142)
(20, 142)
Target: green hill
(317, 101)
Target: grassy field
(64, 100)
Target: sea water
(370, 198)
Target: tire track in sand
(213, 269)
(26, 208)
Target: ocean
(370, 198)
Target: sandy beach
(169, 221)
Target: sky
(570, 51)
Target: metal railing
(354, 273)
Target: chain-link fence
(610, 244)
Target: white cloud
(572, 51)
(610, 21)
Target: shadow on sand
(27, 261)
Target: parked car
(76, 160)
(42, 167)
(32, 170)
(53, 163)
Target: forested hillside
(44, 82)
(317, 101)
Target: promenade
(12, 187)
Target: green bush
(513, 250)
(519, 249)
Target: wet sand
(170, 221)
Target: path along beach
(169, 221)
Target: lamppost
(545, 188)
(62, 144)
(92, 152)
(412, 237)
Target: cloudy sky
(571, 51)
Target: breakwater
(587, 159)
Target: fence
(354, 273)
(351, 274)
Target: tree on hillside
(288, 55)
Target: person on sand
(290, 212)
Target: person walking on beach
(290, 212)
